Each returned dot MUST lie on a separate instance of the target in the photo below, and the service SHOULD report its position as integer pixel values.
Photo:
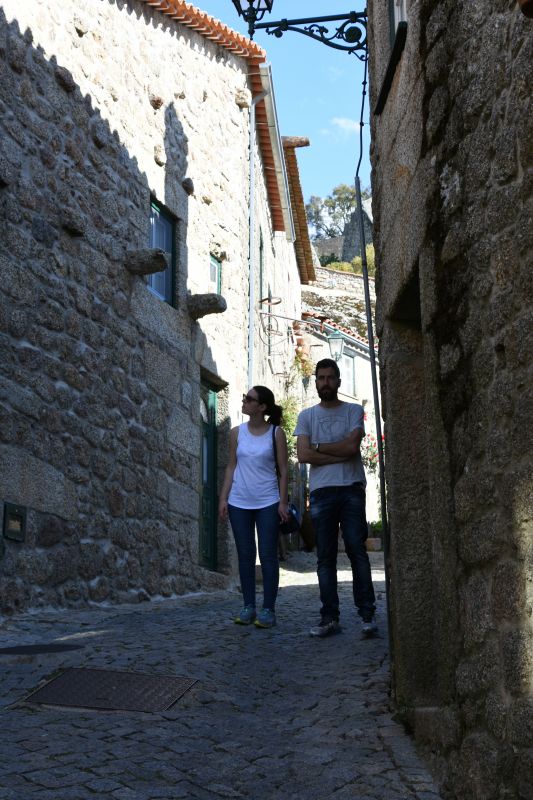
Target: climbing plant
(291, 409)
(369, 452)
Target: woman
(251, 496)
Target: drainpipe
(251, 242)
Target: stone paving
(275, 714)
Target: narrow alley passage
(274, 714)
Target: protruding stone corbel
(188, 185)
(217, 252)
(146, 262)
(156, 101)
(160, 156)
(73, 222)
(242, 98)
(65, 79)
(199, 305)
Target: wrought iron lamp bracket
(351, 35)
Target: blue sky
(318, 93)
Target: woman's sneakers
(265, 618)
(246, 616)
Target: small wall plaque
(14, 522)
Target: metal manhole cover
(112, 690)
(28, 649)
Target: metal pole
(375, 390)
(251, 243)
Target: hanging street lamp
(336, 345)
(350, 36)
(253, 11)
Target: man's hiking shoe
(327, 627)
(245, 616)
(369, 628)
(265, 618)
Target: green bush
(339, 266)
(355, 265)
(326, 260)
(370, 262)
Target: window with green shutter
(163, 237)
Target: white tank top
(255, 483)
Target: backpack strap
(274, 447)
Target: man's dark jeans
(345, 506)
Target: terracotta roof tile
(302, 244)
(348, 331)
(213, 29)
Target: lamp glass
(336, 345)
(260, 6)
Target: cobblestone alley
(274, 714)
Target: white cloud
(346, 125)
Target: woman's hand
(283, 511)
(223, 510)
(225, 489)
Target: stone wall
(347, 282)
(329, 247)
(103, 107)
(339, 296)
(452, 201)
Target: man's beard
(327, 393)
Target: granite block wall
(452, 202)
(103, 108)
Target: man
(329, 438)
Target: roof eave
(277, 150)
(209, 27)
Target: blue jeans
(345, 506)
(243, 522)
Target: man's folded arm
(308, 455)
(347, 448)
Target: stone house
(452, 160)
(128, 333)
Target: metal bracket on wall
(350, 36)
(396, 54)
